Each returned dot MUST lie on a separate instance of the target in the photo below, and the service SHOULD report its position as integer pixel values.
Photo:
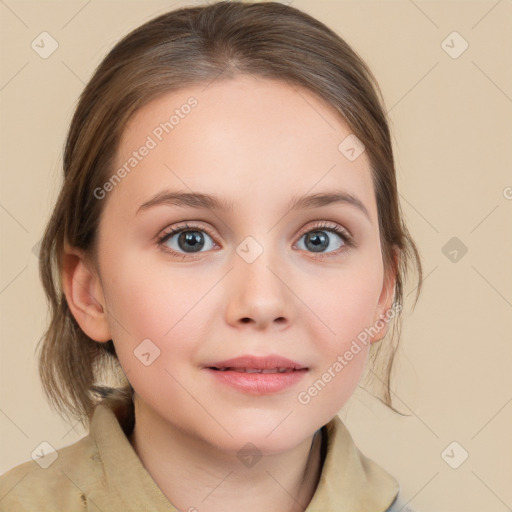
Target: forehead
(247, 138)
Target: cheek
(344, 304)
(147, 302)
(148, 320)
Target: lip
(230, 372)
(259, 362)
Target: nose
(259, 295)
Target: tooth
(255, 370)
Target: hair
(182, 48)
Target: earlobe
(84, 294)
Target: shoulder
(55, 480)
(401, 505)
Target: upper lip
(258, 362)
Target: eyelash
(321, 226)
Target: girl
(226, 253)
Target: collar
(349, 480)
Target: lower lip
(258, 383)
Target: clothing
(102, 472)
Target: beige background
(452, 125)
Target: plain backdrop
(445, 71)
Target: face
(246, 275)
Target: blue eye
(188, 240)
(320, 239)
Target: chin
(269, 437)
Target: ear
(84, 294)
(386, 299)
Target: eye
(185, 240)
(326, 238)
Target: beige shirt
(102, 472)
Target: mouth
(257, 375)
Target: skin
(257, 143)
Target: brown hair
(180, 48)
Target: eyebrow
(209, 202)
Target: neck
(193, 474)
